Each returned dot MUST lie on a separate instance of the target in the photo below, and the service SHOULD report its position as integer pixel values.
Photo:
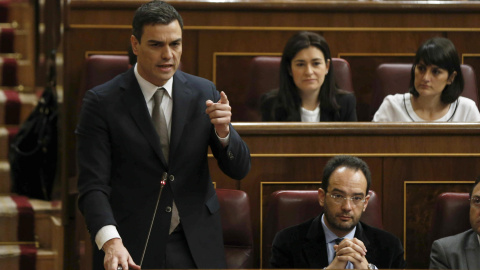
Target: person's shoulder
(379, 234)
(295, 232)
(464, 101)
(396, 97)
(457, 238)
(189, 78)
(269, 97)
(111, 87)
(267, 103)
(345, 95)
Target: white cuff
(224, 141)
(104, 234)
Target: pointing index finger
(223, 98)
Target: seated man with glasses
(336, 239)
(460, 251)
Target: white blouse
(398, 108)
(310, 116)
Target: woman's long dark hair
(287, 107)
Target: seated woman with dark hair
(307, 90)
(435, 87)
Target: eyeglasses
(356, 200)
(475, 201)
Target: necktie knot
(158, 96)
(338, 240)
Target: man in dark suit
(336, 239)
(124, 153)
(460, 251)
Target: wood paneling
(366, 33)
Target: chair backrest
(451, 215)
(264, 76)
(102, 68)
(292, 207)
(392, 79)
(237, 228)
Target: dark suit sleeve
(349, 108)
(266, 106)
(233, 160)
(398, 254)
(93, 157)
(438, 257)
(281, 254)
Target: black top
(304, 246)
(347, 112)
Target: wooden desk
(410, 163)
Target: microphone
(162, 184)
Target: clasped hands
(349, 250)
(220, 114)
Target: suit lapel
(182, 97)
(472, 249)
(315, 248)
(135, 104)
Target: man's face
(475, 210)
(341, 216)
(158, 52)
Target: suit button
(171, 178)
(230, 155)
(168, 209)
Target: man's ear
(134, 42)
(366, 202)
(321, 197)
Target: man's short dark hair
(474, 185)
(349, 162)
(154, 12)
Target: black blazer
(121, 163)
(304, 246)
(347, 113)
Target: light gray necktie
(160, 124)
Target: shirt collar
(149, 89)
(330, 236)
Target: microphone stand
(162, 184)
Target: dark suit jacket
(304, 246)
(121, 163)
(347, 113)
(456, 252)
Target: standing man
(336, 239)
(150, 124)
(460, 251)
